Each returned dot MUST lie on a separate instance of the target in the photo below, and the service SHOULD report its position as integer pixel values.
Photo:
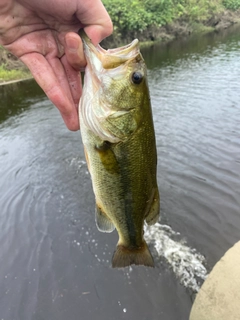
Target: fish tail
(125, 256)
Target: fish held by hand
(119, 143)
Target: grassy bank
(14, 74)
(11, 68)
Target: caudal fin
(124, 257)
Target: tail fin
(124, 256)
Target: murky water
(54, 264)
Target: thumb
(97, 22)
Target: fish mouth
(111, 58)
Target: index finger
(54, 85)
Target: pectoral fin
(104, 224)
(107, 157)
(121, 124)
(153, 213)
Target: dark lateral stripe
(128, 201)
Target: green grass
(231, 4)
(9, 75)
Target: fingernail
(72, 44)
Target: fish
(118, 136)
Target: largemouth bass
(119, 142)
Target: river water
(54, 264)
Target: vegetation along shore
(148, 20)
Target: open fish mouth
(110, 58)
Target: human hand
(43, 34)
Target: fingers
(41, 50)
(96, 20)
(98, 32)
(51, 77)
(97, 24)
(74, 51)
(73, 79)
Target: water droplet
(124, 310)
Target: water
(54, 264)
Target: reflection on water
(15, 98)
(54, 264)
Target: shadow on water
(16, 97)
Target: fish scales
(119, 142)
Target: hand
(42, 33)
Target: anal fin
(104, 224)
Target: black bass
(119, 142)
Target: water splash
(186, 262)
(76, 162)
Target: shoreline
(176, 30)
(3, 83)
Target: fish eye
(137, 77)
